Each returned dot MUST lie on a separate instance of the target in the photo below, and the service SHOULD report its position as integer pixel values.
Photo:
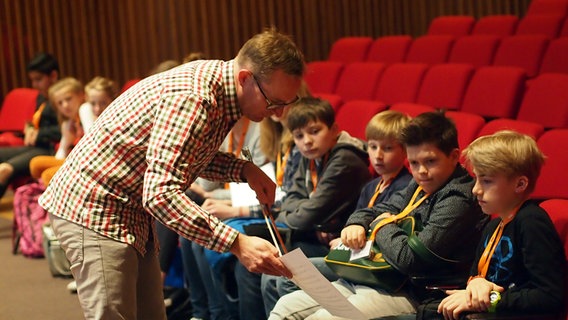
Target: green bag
(374, 270)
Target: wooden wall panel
(124, 39)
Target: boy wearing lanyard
(520, 262)
(332, 171)
(439, 197)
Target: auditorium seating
(389, 49)
(18, 108)
(430, 49)
(412, 109)
(477, 50)
(350, 49)
(400, 82)
(553, 176)
(468, 125)
(546, 101)
(322, 76)
(539, 7)
(495, 92)
(358, 81)
(524, 51)
(535, 130)
(444, 85)
(547, 25)
(555, 58)
(353, 116)
(451, 25)
(496, 25)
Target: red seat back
(477, 50)
(497, 25)
(555, 58)
(468, 126)
(553, 176)
(389, 49)
(538, 7)
(532, 129)
(322, 76)
(451, 25)
(546, 25)
(523, 51)
(546, 101)
(354, 116)
(18, 107)
(400, 82)
(430, 49)
(444, 85)
(350, 49)
(359, 80)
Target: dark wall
(124, 39)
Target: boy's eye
(372, 147)
(314, 130)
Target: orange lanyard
(314, 171)
(237, 151)
(413, 204)
(281, 166)
(380, 188)
(485, 259)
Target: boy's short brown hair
(507, 152)
(431, 127)
(310, 109)
(386, 125)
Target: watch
(494, 298)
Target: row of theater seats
(490, 92)
(536, 54)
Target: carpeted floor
(27, 289)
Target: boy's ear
(455, 154)
(335, 128)
(522, 184)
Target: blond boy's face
(315, 139)
(386, 155)
(431, 168)
(68, 102)
(497, 193)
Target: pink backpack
(29, 218)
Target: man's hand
(30, 136)
(258, 255)
(354, 236)
(264, 187)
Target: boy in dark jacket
(326, 186)
(520, 263)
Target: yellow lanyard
(237, 151)
(281, 166)
(380, 188)
(413, 204)
(485, 259)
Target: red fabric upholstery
(322, 76)
(546, 101)
(128, 84)
(538, 7)
(430, 49)
(18, 107)
(524, 51)
(359, 80)
(564, 30)
(451, 25)
(477, 50)
(444, 85)
(333, 99)
(495, 92)
(532, 129)
(412, 109)
(546, 25)
(557, 210)
(400, 82)
(350, 49)
(553, 176)
(555, 58)
(497, 25)
(354, 116)
(468, 125)
(389, 49)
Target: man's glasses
(273, 105)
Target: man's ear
(521, 184)
(243, 75)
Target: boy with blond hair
(520, 261)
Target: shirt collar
(230, 92)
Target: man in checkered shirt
(143, 152)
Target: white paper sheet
(243, 196)
(307, 277)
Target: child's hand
(220, 209)
(455, 303)
(478, 291)
(334, 242)
(354, 236)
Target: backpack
(29, 218)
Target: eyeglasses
(273, 105)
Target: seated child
(451, 219)
(387, 156)
(519, 264)
(325, 189)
